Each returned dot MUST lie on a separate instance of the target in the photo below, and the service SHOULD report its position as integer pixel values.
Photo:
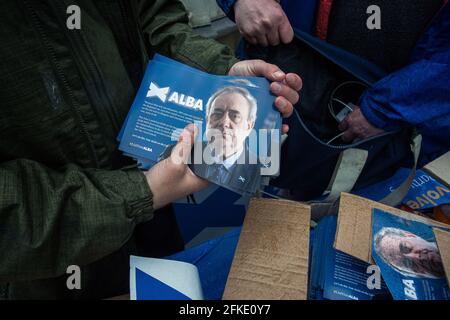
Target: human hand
(172, 179)
(355, 125)
(285, 86)
(262, 22)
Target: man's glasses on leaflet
(235, 116)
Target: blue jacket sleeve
(419, 94)
(228, 7)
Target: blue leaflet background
(426, 288)
(425, 192)
(150, 288)
(186, 80)
(336, 275)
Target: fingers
(182, 150)
(349, 131)
(284, 106)
(355, 125)
(294, 81)
(262, 39)
(343, 125)
(251, 39)
(273, 37)
(285, 87)
(269, 71)
(257, 68)
(265, 26)
(286, 32)
(285, 129)
(281, 89)
(349, 136)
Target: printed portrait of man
(230, 118)
(408, 253)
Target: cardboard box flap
(354, 226)
(443, 242)
(271, 259)
(440, 169)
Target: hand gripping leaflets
(239, 128)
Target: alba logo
(175, 97)
(155, 91)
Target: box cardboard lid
(354, 228)
(271, 259)
(440, 169)
(443, 242)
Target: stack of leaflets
(408, 257)
(335, 275)
(239, 127)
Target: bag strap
(330, 205)
(395, 198)
(359, 67)
(349, 166)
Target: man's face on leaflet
(228, 123)
(412, 253)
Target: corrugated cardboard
(440, 169)
(354, 226)
(443, 242)
(271, 259)
(354, 229)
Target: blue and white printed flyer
(239, 127)
(408, 257)
(161, 279)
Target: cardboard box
(440, 169)
(271, 259)
(353, 235)
(354, 229)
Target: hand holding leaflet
(238, 127)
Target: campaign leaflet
(408, 256)
(425, 192)
(338, 276)
(239, 128)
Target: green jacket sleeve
(165, 26)
(52, 219)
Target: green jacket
(65, 199)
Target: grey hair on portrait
(384, 232)
(233, 89)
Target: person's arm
(417, 95)
(165, 27)
(52, 219)
(262, 22)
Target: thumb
(270, 71)
(182, 151)
(257, 68)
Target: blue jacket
(418, 94)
